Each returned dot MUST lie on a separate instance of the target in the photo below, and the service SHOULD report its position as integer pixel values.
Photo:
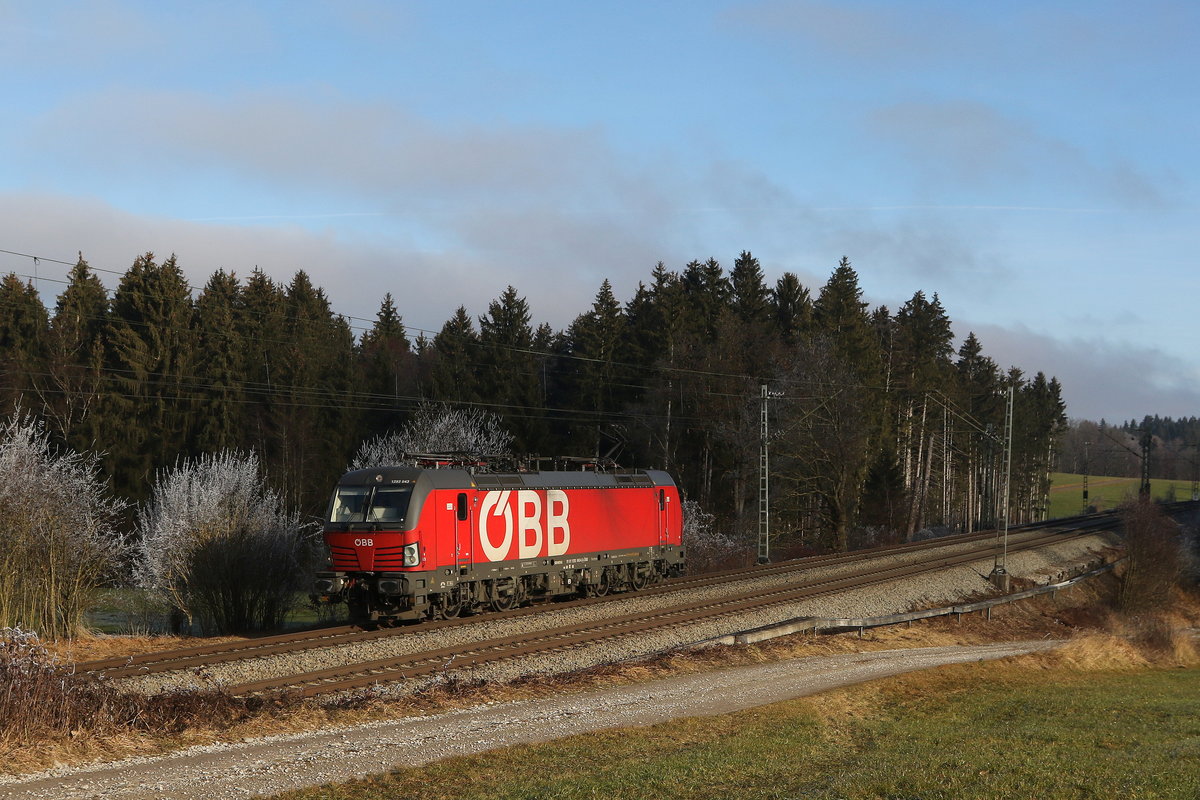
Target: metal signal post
(1147, 443)
(1086, 469)
(764, 480)
(1000, 569)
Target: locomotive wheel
(506, 595)
(637, 579)
(604, 586)
(449, 607)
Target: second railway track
(488, 646)
(417, 665)
(211, 653)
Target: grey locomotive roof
(463, 479)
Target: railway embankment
(890, 594)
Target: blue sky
(1034, 163)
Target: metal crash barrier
(840, 625)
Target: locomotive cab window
(348, 503)
(370, 504)
(463, 511)
(389, 504)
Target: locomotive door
(462, 534)
(662, 517)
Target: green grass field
(970, 732)
(1105, 494)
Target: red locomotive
(442, 539)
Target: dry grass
(95, 646)
(48, 711)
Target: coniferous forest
(877, 426)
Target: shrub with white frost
(705, 547)
(220, 544)
(436, 428)
(58, 539)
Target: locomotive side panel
(457, 545)
(552, 523)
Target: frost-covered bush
(58, 539)
(705, 548)
(220, 544)
(437, 429)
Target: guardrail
(839, 625)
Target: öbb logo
(532, 537)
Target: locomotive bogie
(408, 543)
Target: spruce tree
(74, 381)
(261, 332)
(23, 333)
(221, 369)
(977, 384)
(319, 423)
(707, 292)
(596, 344)
(388, 370)
(840, 313)
(453, 361)
(750, 298)
(657, 325)
(924, 344)
(510, 373)
(792, 308)
(150, 360)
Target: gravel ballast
(930, 589)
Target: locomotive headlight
(329, 584)
(412, 554)
(390, 585)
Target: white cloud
(1101, 378)
(428, 284)
(323, 140)
(1092, 39)
(968, 143)
(859, 32)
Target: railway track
(488, 650)
(417, 665)
(282, 644)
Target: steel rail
(393, 669)
(281, 644)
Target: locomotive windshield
(370, 503)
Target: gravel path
(275, 764)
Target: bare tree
(824, 444)
(58, 538)
(219, 543)
(437, 428)
(1156, 552)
